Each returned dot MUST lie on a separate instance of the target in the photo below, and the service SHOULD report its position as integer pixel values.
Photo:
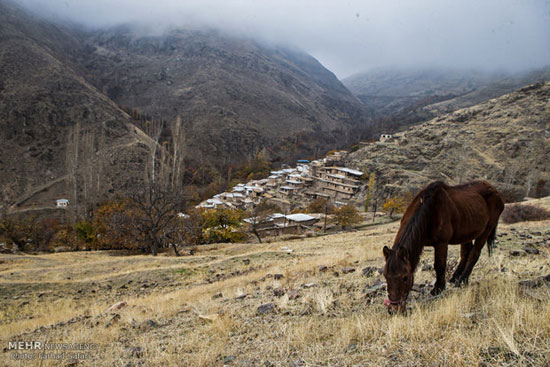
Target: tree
(258, 216)
(395, 204)
(192, 226)
(320, 205)
(223, 225)
(346, 216)
(113, 226)
(147, 219)
(370, 190)
(154, 208)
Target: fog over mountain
(349, 36)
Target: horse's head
(399, 277)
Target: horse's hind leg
(440, 263)
(473, 257)
(465, 249)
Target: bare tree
(258, 217)
(155, 210)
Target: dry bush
(522, 212)
(511, 194)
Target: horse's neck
(414, 256)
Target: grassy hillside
(505, 140)
(203, 310)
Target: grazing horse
(438, 216)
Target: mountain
(505, 140)
(397, 98)
(83, 113)
(59, 136)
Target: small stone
(117, 306)
(298, 363)
(246, 261)
(309, 285)
(427, 267)
(323, 268)
(348, 270)
(368, 271)
(531, 250)
(228, 359)
(209, 318)
(241, 297)
(150, 323)
(278, 276)
(336, 274)
(217, 295)
(279, 292)
(293, 294)
(516, 253)
(266, 308)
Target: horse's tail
(491, 240)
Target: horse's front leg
(440, 263)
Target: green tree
(84, 231)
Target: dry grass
(180, 319)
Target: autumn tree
(320, 205)
(113, 226)
(346, 216)
(223, 225)
(147, 219)
(370, 190)
(395, 204)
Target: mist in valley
(348, 37)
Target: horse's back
(476, 205)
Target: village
(293, 189)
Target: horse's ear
(402, 253)
(386, 250)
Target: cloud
(353, 35)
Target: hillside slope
(400, 97)
(505, 140)
(59, 136)
(83, 113)
(227, 97)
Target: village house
(62, 203)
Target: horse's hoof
(436, 291)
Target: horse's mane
(418, 226)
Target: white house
(62, 203)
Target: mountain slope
(401, 97)
(505, 140)
(233, 96)
(59, 136)
(83, 114)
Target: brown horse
(438, 216)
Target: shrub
(511, 194)
(522, 212)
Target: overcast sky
(349, 36)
